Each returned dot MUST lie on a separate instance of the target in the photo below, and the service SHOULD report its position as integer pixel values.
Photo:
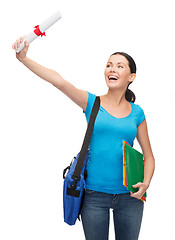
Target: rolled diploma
(43, 27)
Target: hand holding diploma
(39, 31)
(22, 54)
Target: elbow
(153, 163)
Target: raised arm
(78, 96)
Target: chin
(112, 85)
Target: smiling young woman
(118, 119)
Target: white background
(42, 129)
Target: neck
(116, 97)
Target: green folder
(133, 168)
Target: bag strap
(84, 148)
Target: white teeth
(113, 78)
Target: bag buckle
(74, 184)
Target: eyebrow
(118, 63)
(122, 63)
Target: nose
(112, 70)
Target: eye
(120, 66)
(108, 65)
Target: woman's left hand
(142, 189)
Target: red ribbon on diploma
(38, 32)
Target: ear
(132, 77)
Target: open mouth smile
(113, 78)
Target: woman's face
(117, 72)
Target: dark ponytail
(129, 95)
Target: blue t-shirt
(105, 163)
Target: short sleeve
(90, 103)
(141, 116)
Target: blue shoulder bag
(75, 174)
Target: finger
(137, 185)
(26, 43)
(21, 39)
(136, 195)
(19, 42)
(15, 45)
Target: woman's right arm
(80, 97)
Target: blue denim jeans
(127, 213)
